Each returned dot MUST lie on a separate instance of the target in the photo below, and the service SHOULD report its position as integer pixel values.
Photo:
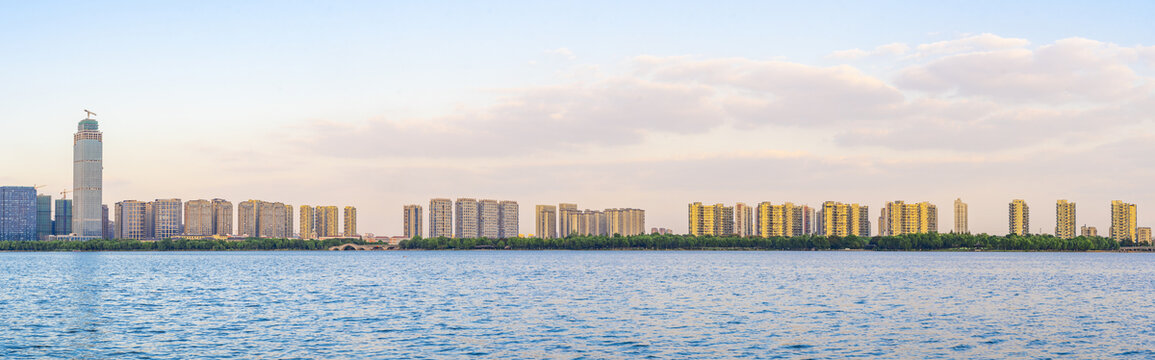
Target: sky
(649, 105)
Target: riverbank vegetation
(175, 245)
(809, 242)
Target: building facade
(308, 220)
(18, 213)
(488, 213)
(43, 216)
(198, 218)
(163, 219)
(507, 219)
(1143, 235)
(564, 225)
(63, 223)
(716, 220)
(545, 221)
(838, 219)
(743, 220)
(1123, 220)
(129, 220)
(625, 222)
(440, 218)
(351, 222)
(900, 218)
(1088, 231)
(412, 221)
(222, 217)
(465, 217)
(1065, 219)
(960, 217)
(87, 179)
(1019, 218)
(326, 221)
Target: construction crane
(88, 114)
(64, 193)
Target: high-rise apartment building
(1088, 231)
(838, 219)
(262, 219)
(412, 221)
(545, 220)
(1019, 218)
(198, 218)
(440, 218)
(17, 213)
(222, 217)
(960, 217)
(565, 227)
(247, 218)
(326, 221)
(465, 217)
(87, 179)
(308, 219)
(900, 218)
(63, 223)
(1123, 220)
(809, 220)
(351, 222)
(717, 219)
(43, 216)
(1143, 235)
(1065, 219)
(507, 219)
(163, 219)
(129, 222)
(743, 220)
(625, 222)
(783, 220)
(487, 219)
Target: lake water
(577, 304)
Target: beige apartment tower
(327, 222)
(960, 217)
(1123, 220)
(508, 219)
(839, 219)
(1088, 231)
(716, 220)
(465, 217)
(1018, 218)
(129, 220)
(625, 222)
(412, 220)
(308, 219)
(564, 217)
(545, 221)
(222, 217)
(198, 218)
(350, 222)
(488, 213)
(1065, 219)
(743, 220)
(441, 218)
(1143, 235)
(899, 218)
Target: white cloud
(983, 42)
(882, 50)
(563, 52)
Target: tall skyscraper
(308, 219)
(412, 221)
(1065, 219)
(222, 217)
(743, 220)
(465, 216)
(130, 216)
(351, 221)
(17, 213)
(960, 217)
(43, 216)
(87, 178)
(487, 219)
(1019, 219)
(507, 219)
(1123, 220)
(564, 225)
(440, 218)
(900, 218)
(198, 218)
(63, 223)
(545, 221)
(162, 218)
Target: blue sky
(347, 102)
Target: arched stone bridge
(346, 247)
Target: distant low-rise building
(1143, 235)
(1088, 231)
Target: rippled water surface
(561, 304)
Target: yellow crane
(64, 193)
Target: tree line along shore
(912, 242)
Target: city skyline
(915, 109)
